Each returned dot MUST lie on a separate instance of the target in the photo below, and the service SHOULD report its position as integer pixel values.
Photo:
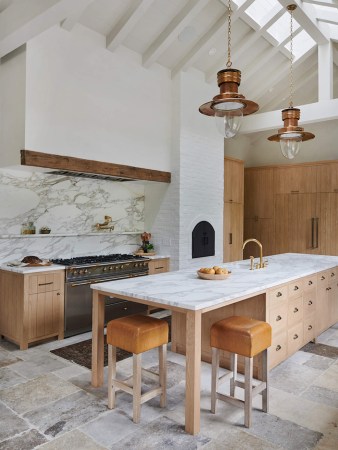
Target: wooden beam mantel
(70, 163)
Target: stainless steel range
(83, 271)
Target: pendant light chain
(291, 60)
(229, 63)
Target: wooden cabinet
(298, 179)
(160, 265)
(327, 177)
(233, 232)
(233, 209)
(263, 230)
(32, 306)
(233, 180)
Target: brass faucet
(261, 264)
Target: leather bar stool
(137, 334)
(247, 337)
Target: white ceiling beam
(203, 45)
(305, 15)
(325, 71)
(69, 23)
(18, 25)
(331, 3)
(334, 34)
(170, 33)
(311, 113)
(119, 33)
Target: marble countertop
(186, 290)
(27, 269)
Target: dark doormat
(81, 353)
(321, 350)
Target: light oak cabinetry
(304, 199)
(160, 265)
(32, 306)
(259, 210)
(233, 209)
(327, 293)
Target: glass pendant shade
(228, 122)
(290, 144)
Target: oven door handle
(122, 277)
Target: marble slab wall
(70, 206)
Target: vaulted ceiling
(183, 34)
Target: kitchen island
(286, 282)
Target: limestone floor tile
(74, 440)
(66, 413)
(235, 438)
(321, 395)
(329, 440)
(36, 393)
(300, 357)
(306, 413)
(329, 379)
(175, 374)
(38, 364)
(319, 362)
(6, 358)
(292, 377)
(10, 378)
(162, 433)
(71, 371)
(283, 433)
(10, 423)
(25, 441)
(326, 336)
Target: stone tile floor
(47, 402)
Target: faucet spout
(261, 264)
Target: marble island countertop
(185, 289)
(31, 269)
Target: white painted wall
(87, 102)
(12, 106)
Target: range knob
(117, 267)
(121, 266)
(110, 267)
(86, 271)
(136, 265)
(105, 269)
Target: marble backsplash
(71, 207)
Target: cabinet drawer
(158, 266)
(295, 311)
(332, 276)
(278, 318)
(295, 288)
(48, 282)
(295, 338)
(323, 279)
(309, 328)
(310, 282)
(309, 302)
(278, 349)
(278, 296)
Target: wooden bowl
(209, 276)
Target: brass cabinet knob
(295, 336)
(309, 327)
(322, 277)
(310, 282)
(295, 310)
(278, 318)
(296, 288)
(309, 302)
(279, 294)
(278, 347)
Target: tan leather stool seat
(247, 337)
(137, 334)
(241, 335)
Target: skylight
(280, 30)
(301, 44)
(259, 8)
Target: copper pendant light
(291, 135)
(228, 107)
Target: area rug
(321, 349)
(81, 353)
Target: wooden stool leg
(162, 356)
(248, 391)
(111, 376)
(214, 378)
(137, 387)
(233, 368)
(265, 377)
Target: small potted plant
(147, 247)
(45, 230)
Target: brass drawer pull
(278, 347)
(296, 288)
(296, 310)
(158, 268)
(310, 282)
(45, 284)
(295, 336)
(309, 327)
(294, 192)
(322, 277)
(310, 302)
(278, 318)
(279, 294)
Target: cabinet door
(232, 232)
(327, 177)
(263, 230)
(44, 314)
(258, 193)
(332, 226)
(295, 179)
(233, 180)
